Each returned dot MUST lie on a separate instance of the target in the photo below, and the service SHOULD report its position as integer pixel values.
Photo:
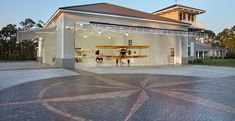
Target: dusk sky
(219, 13)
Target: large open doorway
(157, 53)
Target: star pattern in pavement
(125, 90)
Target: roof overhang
(34, 33)
(59, 11)
(180, 7)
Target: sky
(219, 13)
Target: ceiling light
(109, 37)
(127, 34)
(85, 36)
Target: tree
(27, 24)
(40, 24)
(7, 41)
(210, 34)
(227, 39)
(11, 49)
(8, 32)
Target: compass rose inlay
(102, 87)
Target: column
(203, 54)
(65, 43)
(198, 56)
(192, 49)
(39, 52)
(184, 50)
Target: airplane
(125, 52)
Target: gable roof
(110, 9)
(180, 6)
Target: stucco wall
(48, 48)
(67, 40)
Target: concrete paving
(14, 73)
(13, 65)
(184, 70)
(15, 77)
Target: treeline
(11, 49)
(227, 39)
(224, 39)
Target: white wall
(122, 21)
(49, 48)
(160, 45)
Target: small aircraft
(124, 52)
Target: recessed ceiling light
(99, 32)
(127, 34)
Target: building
(74, 32)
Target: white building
(76, 31)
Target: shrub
(197, 61)
(230, 55)
(190, 62)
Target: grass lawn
(219, 62)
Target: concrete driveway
(184, 70)
(14, 73)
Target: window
(184, 16)
(180, 16)
(129, 42)
(189, 17)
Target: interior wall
(158, 52)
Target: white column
(198, 56)
(192, 49)
(65, 43)
(203, 54)
(39, 47)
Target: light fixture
(81, 24)
(109, 37)
(85, 36)
(67, 27)
(99, 32)
(126, 34)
